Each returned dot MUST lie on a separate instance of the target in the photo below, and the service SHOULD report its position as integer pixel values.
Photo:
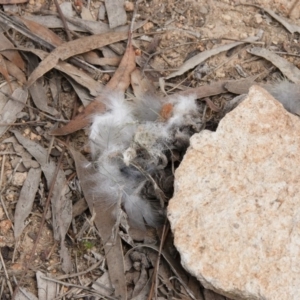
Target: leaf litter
(127, 276)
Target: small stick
(63, 19)
(292, 8)
(6, 274)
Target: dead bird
(133, 146)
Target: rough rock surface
(235, 214)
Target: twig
(63, 19)
(292, 8)
(6, 275)
(155, 272)
(163, 238)
(75, 285)
(23, 123)
(3, 188)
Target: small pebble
(258, 18)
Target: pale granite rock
(235, 214)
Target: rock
(19, 178)
(235, 214)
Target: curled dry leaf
(288, 69)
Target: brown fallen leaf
(121, 79)
(42, 31)
(4, 72)
(292, 28)
(38, 90)
(72, 48)
(25, 201)
(15, 71)
(199, 58)
(288, 69)
(12, 108)
(52, 38)
(93, 86)
(13, 56)
(94, 59)
(105, 223)
(82, 120)
(118, 84)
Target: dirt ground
(171, 33)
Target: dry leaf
(60, 200)
(94, 59)
(13, 56)
(116, 13)
(15, 71)
(142, 86)
(205, 90)
(46, 288)
(24, 294)
(82, 120)
(52, 38)
(81, 92)
(72, 48)
(42, 32)
(121, 79)
(105, 222)
(25, 201)
(38, 91)
(76, 74)
(141, 283)
(4, 72)
(27, 160)
(12, 108)
(292, 28)
(118, 83)
(288, 69)
(201, 57)
(103, 285)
